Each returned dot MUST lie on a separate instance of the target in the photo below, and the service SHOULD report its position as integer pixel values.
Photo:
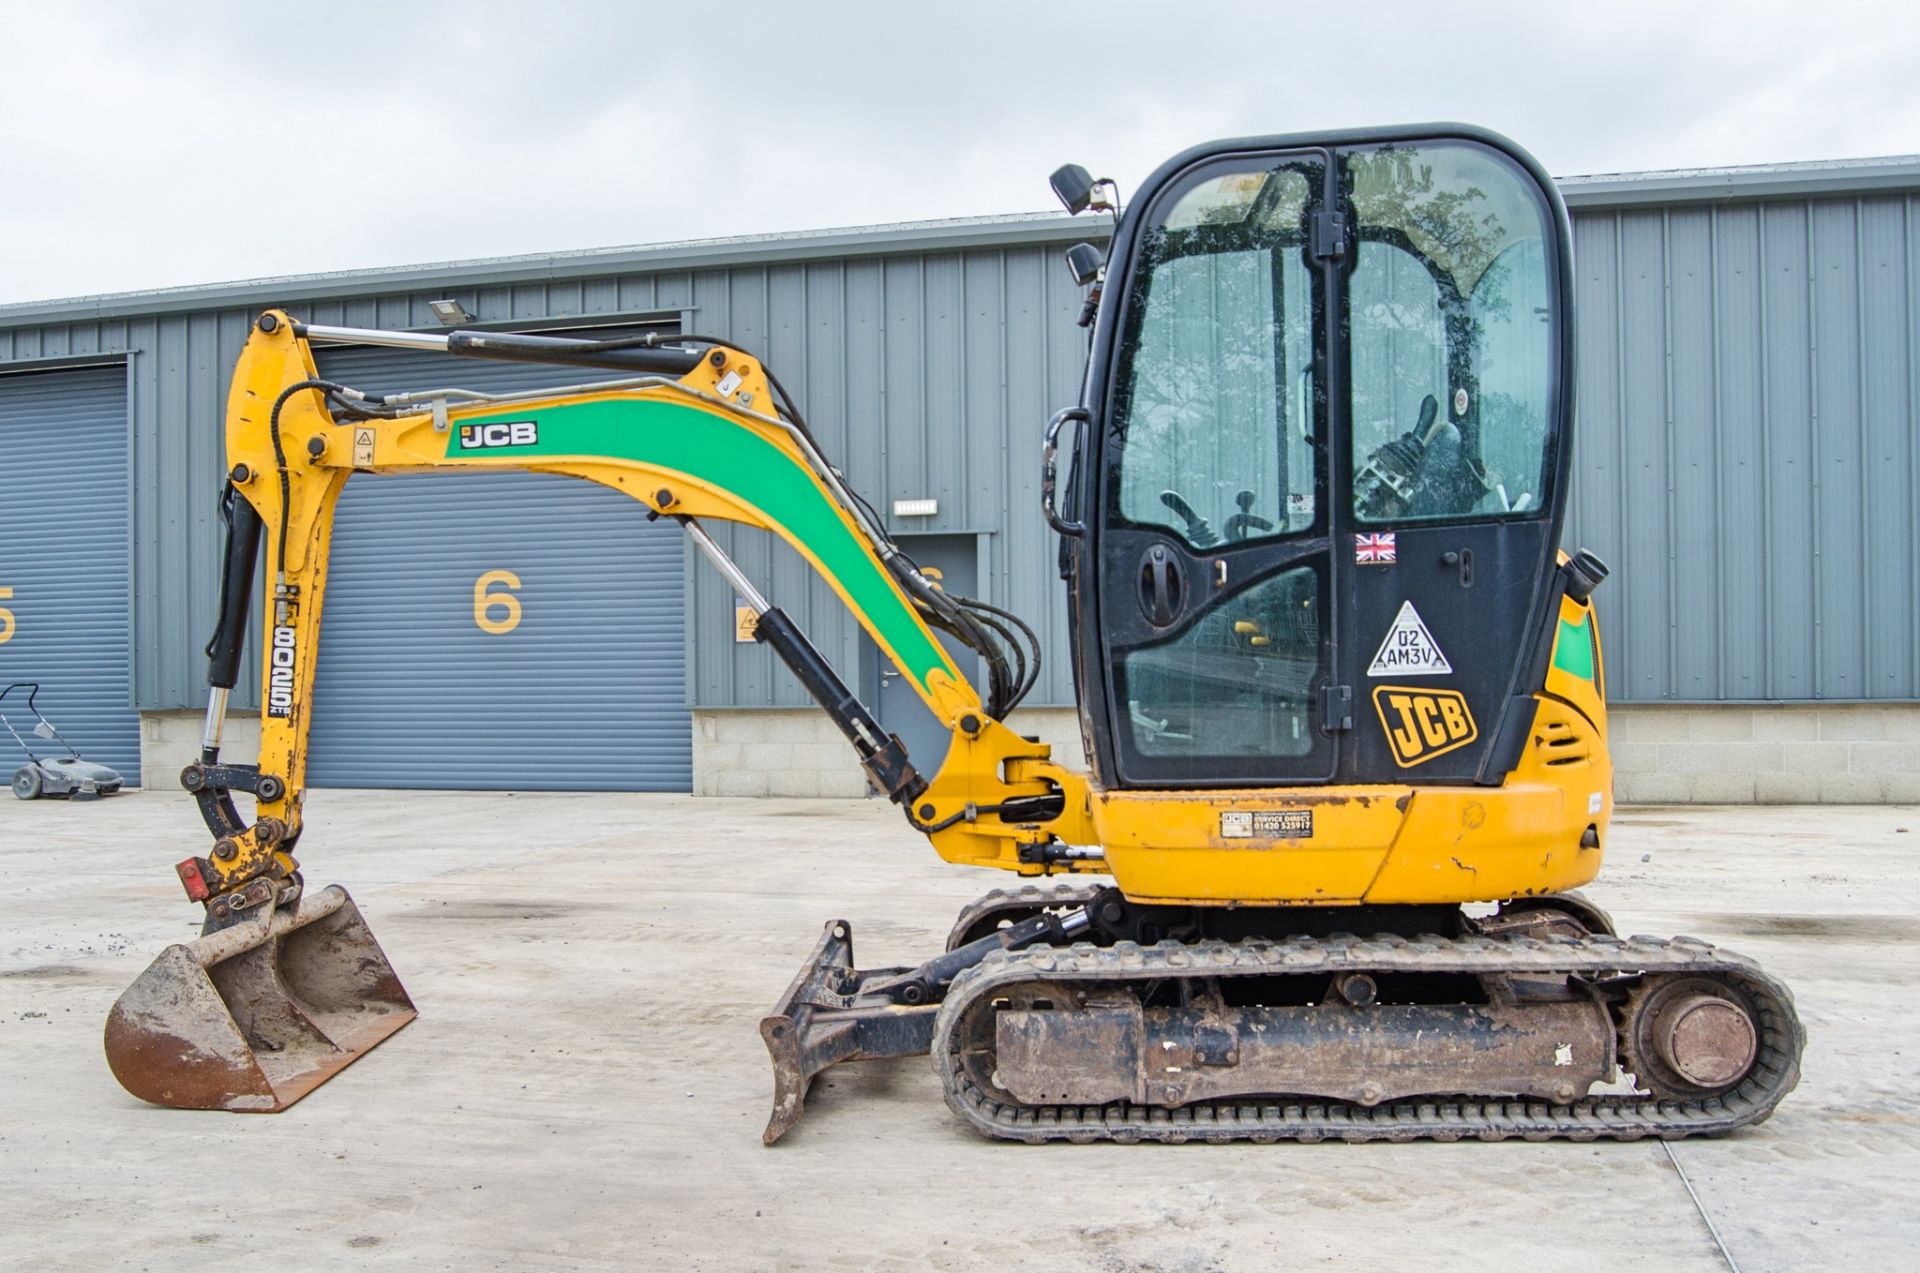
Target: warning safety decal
(1409, 649)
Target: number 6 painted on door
(7, 625)
(485, 602)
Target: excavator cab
(1322, 465)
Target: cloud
(193, 142)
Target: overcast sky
(149, 145)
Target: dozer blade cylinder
(253, 1017)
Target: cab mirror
(1084, 262)
(1073, 186)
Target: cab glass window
(1233, 688)
(1449, 334)
(1213, 421)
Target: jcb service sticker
(1422, 723)
(1266, 824)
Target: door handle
(1461, 561)
(1163, 586)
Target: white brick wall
(1769, 754)
(170, 741)
(1786, 753)
(798, 752)
(1775, 753)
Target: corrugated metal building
(1747, 461)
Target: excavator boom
(255, 1013)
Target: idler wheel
(1707, 1040)
(1691, 1036)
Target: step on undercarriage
(1072, 1014)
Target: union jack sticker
(1374, 550)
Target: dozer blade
(253, 1017)
(822, 1020)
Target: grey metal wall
(1748, 413)
(924, 374)
(63, 556)
(584, 689)
(1749, 447)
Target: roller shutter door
(488, 631)
(63, 560)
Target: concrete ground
(585, 1086)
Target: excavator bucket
(255, 1016)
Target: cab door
(1451, 342)
(1212, 544)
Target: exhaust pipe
(253, 1017)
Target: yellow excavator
(1346, 752)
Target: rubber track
(1776, 1069)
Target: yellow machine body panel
(1541, 831)
(1374, 844)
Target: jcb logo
(1422, 724)
(479, 437)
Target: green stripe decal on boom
(1573, 649)
(733, 459)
